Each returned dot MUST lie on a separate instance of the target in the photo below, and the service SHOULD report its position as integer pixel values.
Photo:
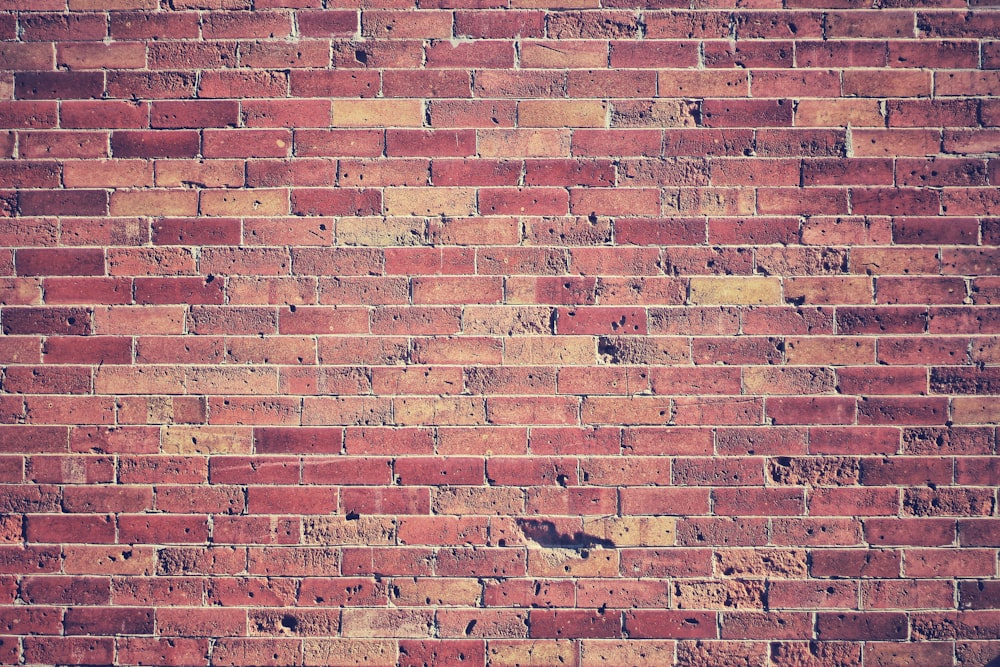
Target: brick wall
(531, 332)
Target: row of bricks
(670, 459)
(489, 158)
(502, 113)
(540, 175)
(262, 523)
(188, 464)
(594, 409)
(230, 652)
(572, 232)
(728, 526)
(714, 516)
(396, 267)
(460, 84)
(765, 20)
(524, 327)
(489, 115)
(523, 52)
(494, 623)
(706, 375)
(736, 564)
(653, 291)
(190, 563)
(495, 441)
(340, 355)
(522, 381)
(464, 201)
(900, 409)
(751, 594)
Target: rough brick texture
(506, 332)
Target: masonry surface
(499, 333)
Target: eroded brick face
(499, 332)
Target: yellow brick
(589, 562)
(339, 530)
(704, 83)
(203, 173)
(367, 652)
(976, 409)
(154, 202)
(653, 113)
(107, 173)
(415, 623)
(139, 380)
(105, 560)
(91, 5)
(610, 652)
(564, 54)
(21, 292)
(829, 290)
(550, 350)
(523, 143)
(839, 113)
(532, 652)
(244, 203)
(414, 592)
(188, 440)
(633, 531)
(735, 290)
(452, 411)
(378, 113)
(787, 380)
(430, 201)
(708, 201)
(378, 232)
(830, 350)
(562, 113)
(555, 4)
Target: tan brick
(531, 652)
(976, 409)
(379, 232)
(451, 411)
(154, 202)
(378, 113)
(555, 4)
(244, 203)
(704, 83)
(562, 113)
(430, 201)
(587, 562)
(338, 530)
(550, 350)
(386, 623)
(203, 173)
(139, 380)
(599, 652)
(839, 113)
(735, 290)
(631, 531)
(830, 350)
(832, 290)
(366, 652)
(436, 592)
(190, 440)
(523, 143)
(709, 201)
(108, 174)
